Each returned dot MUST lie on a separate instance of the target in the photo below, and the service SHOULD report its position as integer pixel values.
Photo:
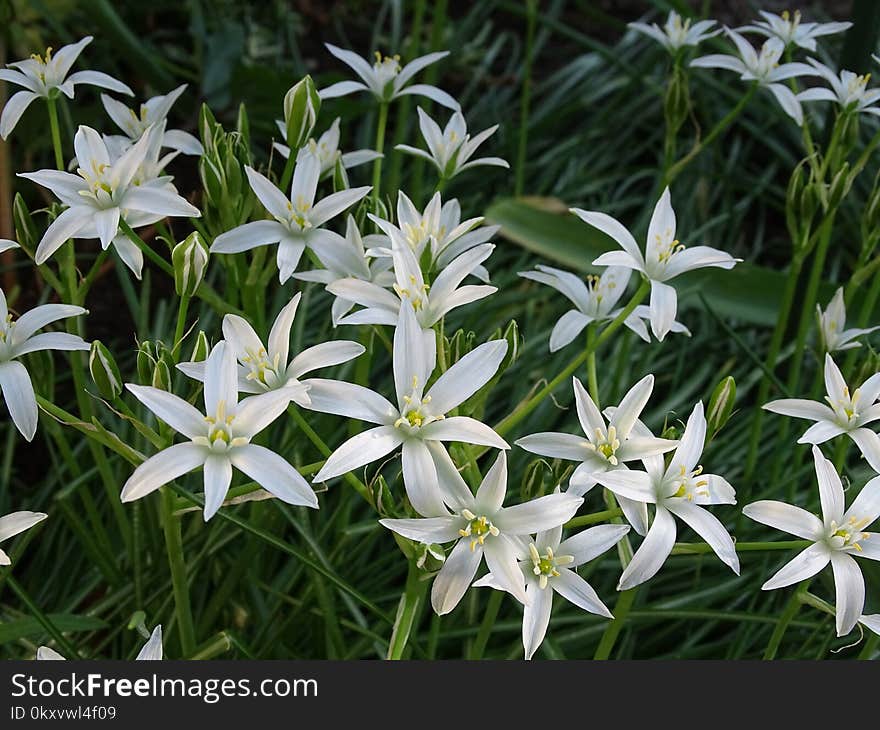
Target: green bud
(161, 378)
(840, 186)
(301, 107)
(430, 557)
(340, 177)
(146, 361)
(25, 230)
(677, 102)
(720, 405)
(202, 348)
(189, 259)
(104, 371)
(537, 476)
(514, 343)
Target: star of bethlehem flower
(153, 111)
(436, 236)
(103, 192)
(845, 413)
(296, 221)
(837, 538)
(675, 34)
(14, 524)
(679, 490)
(608, 445)
(19, 337)
(350, 259)
(266, 368)
(151, 651)
(418, 423)
(594, 301)
(386, 79)
(327, 148)
(664, 259)
(482, 526)
(789, 29)
(430, 302)
(219, 440)
(832, 323)
(47, 76)
(848, 90)
(452, 148)
(549, 567)
(7, 245)
(762, 67)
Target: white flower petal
(163, 467)
(152, 650)
(849, 588)
(804, 565)
(707, 526)
(536, 617)
(171, 409)
(591, 543)
(557, 446)
(248, 236)
(359, 450)
(467, 376)
(420, 479)
(785, 517)
(652, 553)
(349, 400)
(18, 392)
(217, 478)
(17, 522)
(274, 474)
(455, 576)
(539, 514)
(575, 589)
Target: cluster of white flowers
(409, 274)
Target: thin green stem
(592, 380)
(621, 611)
(56, 133)
(593, 518)
(177, 565)
(42, 618)
(407, 610)
(287, 174)
(181, 325)
(486, 625)
(791, 610)
(525, 97)
(380, 148)
(701, 548)
(147, 249)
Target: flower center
(606, 445)
(298, 213)
(416, 293)
(855, 88)
(415, 412)
(261, 369)
(849, 534)
(7, 327)
(100, 190)
(684, 486)
(478, 528)
(220, 432)
(676, 30)
(846, 409)
(545, 566)
(386, 68)
(667, 246)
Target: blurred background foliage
(592, 138)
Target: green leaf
(29, 627)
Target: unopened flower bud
(189, 259)
(720, 405)
(840, 186)
(301, 107)
(201, 348)
(146, 361)
(104, 371)
(161, 375)
(537, 475)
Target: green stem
(621, 611)
(592, 380)
(181, 325)
(487, 624)
(791, 610)
(56, 133)
(701, 548)
(287, 174)
(148, 251)
(407, 610)
(42, 618)
(525, 97)
(380, 147)
(177, 565)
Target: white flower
(452, 148)
(550, 566)
(386, 79)
(45, 76)
(665, 257)
(678, 490)
(837, 538)
(845, 413)
(430, 303)
(153, 111)
(349, 259)
(789, 29)
(7, 245)
(297, 222)
(483, 527)
(676, 34)
(419, 422)
(18, 337)
(327, 148)
(831, 326)
(15, 523)
(849, 90)
(103, 192)
(763, 67)
(606, 447)
(219, 440)
(437, 235)
(152, 650)
(262, 369)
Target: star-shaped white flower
(664, 259)
(19, 337)
(848, 90)
(832, 323)
(153, 111)
(263, 368)
(151, 651)
(482, 526)
(15, 523)
(837, 538)
(452, 148)
(430, 302)
(103, 192)
(43, 76)
(846, 412)
(789, 29)
(675, 33)
(607, 445)
(549, 567)
(419, 422)
(678, 490)
(219, 440)
(297, 221)
(386, 79)
(763, 67)
(327, 148)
